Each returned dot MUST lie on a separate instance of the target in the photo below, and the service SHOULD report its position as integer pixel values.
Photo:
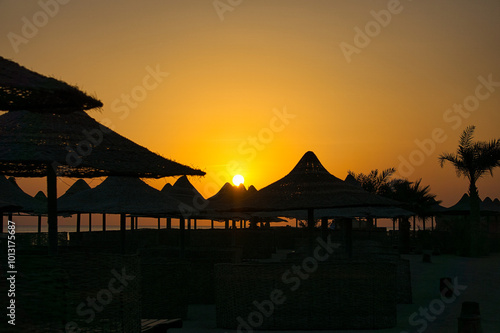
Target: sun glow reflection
(238, 179)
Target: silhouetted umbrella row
(462, 207)
(116, 195)
(56, 138)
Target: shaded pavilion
(222, 205)
(46, 133)
(78, 186)
(17, 201)
(10, 192)
(192, 202)
(462, 207)
(117, 195)
(310, 187)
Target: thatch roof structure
(462, 207)
(78, 186)
(56, 138)
(490, 206)
(166, 189)
(76, 146)
(227, 198)
(22, 89)
(12, 194)
(310, 186)
(120, 195)
(185, 192)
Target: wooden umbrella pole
(52, 208)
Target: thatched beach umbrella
(78, 186)
(223, 205)
(10, 192)
(22, 89)
(186, 193)
(118, 195)
(56, 138)
(310, 186)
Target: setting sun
(238, 179)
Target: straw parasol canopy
(56, 138)
(78, 186)
(11, 193)
(22, 89)
(310, 186)
(75, 145)
(119, 195)
(462, 207)
(185, 192)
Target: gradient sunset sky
(249, 86)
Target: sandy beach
(475, 279)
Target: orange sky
(256, 84)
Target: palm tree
(375, 182)
(473, 160)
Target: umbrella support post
(123, 227)
(182, 241)
(52, 208)
(78, 222)
(103, 222)
(169, 223)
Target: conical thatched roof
(22, 89)
(462, 207)
(489, 206)
(185, 192)
(116, 195)
(78, 186)
(310, 186)
(167, 188)
(12, 194)
(228, 197)
(78, 146)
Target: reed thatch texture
(14, 195)
(78, 186)
(76, 146)
(22, 89)
(117, 195)
(185, 192)
(310, 186)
